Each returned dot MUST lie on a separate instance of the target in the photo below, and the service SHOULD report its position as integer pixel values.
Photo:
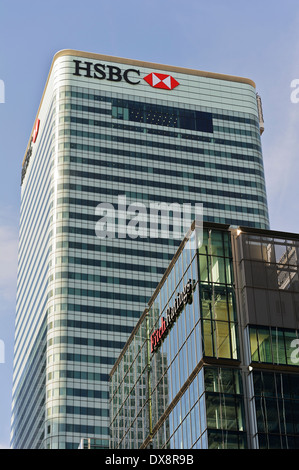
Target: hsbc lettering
(172, 314)
(106, 72)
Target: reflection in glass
(273, 345)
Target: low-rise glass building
(212, 362)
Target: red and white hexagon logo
(160, 80)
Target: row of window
(82, 358)
(116, 250)
(162, 171)
(163, 145)
(69, 229)
(122, 152)
(141, 223)
(102, 360)
(98, 294)
(77, 410)
(100, 343)
(206, 205)
(107, 264)
(78, 393)
(91, 232)
(104, 279)
(113, 125)
(100, 310)
(81, 429)
(78, 375)
(89, 325)
(152, 131)
(158, 107)
(167, 186)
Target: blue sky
(258, 40)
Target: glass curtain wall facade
(194, 396)
(104, 130)
(269, 294)
(221, 375)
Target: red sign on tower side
(35, 131)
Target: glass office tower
(213, 363)
(108, 128)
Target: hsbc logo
(160, 80)
(106, 72)
(113, 73)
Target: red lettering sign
(35, 130)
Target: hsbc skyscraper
(110, 129)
